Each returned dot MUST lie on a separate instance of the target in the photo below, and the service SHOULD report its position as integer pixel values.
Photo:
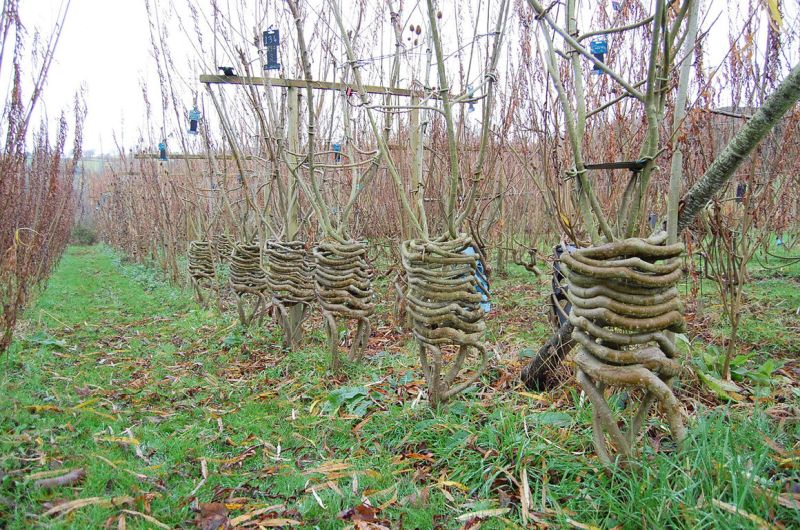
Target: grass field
(167, 407)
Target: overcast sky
(105, 46)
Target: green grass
(110, 351)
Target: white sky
(106, 47)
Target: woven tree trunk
(445, 311)
(200, 259)
(400, 283)
(624, 301)
(223, 247)
(291, 283)
(344, 291)
(248, 281)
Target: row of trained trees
(454, 140)
(37, 178)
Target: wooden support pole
(302, 83)
(416, 167)
(293, 142)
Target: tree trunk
(748, 137)
(676, 165)
(731, 350)
(538, 372)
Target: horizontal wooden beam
(179, 156)
(300, 83)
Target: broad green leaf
(340, 396)
(234, 339)
(727, 390)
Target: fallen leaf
(580, 525)
(418, 499)
(66, 507)
(542, 396)
(149, 518)
(454, 484)
(362, 512)
(276, 523)
(317, 498)
(789, 500)
(483, 514)
(758, 521)
(329, 468)
(42, 408)
(49, 473)
(124, 440)
(727, 390)
(212, 516)
(524, 496)
(67, 479)
(236, 521)
(418, 456)
(390, 501)
(472, 524)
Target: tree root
(538, 373)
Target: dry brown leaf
(447, 494)
(67, 479)
(472, 524)
(279, 522)
(212, 516)
(329, 467)
(578, 524)
(525, 496)
(49, 473)
(390, 501)
(66, 507)
(236, 521)
(363, 525)
(453, 484)
(772, 444)
(758, 521)
(149, 518)
(418, 499)
(789, 500)
(362, 512)
(418, 456)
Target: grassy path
(165, 405)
